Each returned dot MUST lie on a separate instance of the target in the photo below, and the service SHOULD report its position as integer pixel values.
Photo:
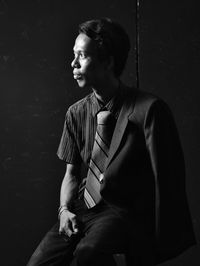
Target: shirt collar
(114, 105)
(96, 106)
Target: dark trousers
(104, 231)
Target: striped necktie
(104, 132)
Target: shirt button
(101, 178)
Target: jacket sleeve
(167, 161)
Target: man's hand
(68, 223)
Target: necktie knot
(104, 117)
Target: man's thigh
(54, 249)
(105, 230)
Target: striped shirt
(80, 127)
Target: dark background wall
(36, 87)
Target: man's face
(87, 69)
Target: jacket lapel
(120, 127)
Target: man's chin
(82, 84)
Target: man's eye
(82, 55)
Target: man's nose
(75, 63)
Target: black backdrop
(36, 87)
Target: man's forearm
(69, 187)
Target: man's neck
(106, 93)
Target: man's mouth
(77, 76)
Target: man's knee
(85, 254)
(89, 255)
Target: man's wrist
(61, 209)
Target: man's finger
(74, 225)
(68, 229)
(61, 230)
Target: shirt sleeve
(68, 149)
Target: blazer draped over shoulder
(145, 175)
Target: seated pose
(132, 199)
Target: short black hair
(111, 39)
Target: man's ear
(110, 64)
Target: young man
(133, 199)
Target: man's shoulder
(146, 99)
(80, 104)
(142, 103)
(140, 97)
